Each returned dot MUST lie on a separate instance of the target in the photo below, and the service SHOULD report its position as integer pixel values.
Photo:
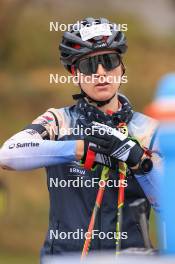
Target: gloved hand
(114, 145)
(99, 158)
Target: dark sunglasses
(89, 65)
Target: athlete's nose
(101, 70)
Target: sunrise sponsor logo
(23, 145)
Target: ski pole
(122, 127)
(121, 191)
(139, 212)
(98, 202)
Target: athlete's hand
(82, 153)
(111, 143)
(99, 158)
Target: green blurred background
(28, 53)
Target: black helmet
(74, 45)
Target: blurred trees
(9, 14)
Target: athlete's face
(103, 84)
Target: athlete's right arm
(35, 147)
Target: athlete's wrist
(79, 149)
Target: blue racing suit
(50, 142)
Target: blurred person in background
(94, 49)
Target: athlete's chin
(103, 95)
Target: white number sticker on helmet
(95, 31)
